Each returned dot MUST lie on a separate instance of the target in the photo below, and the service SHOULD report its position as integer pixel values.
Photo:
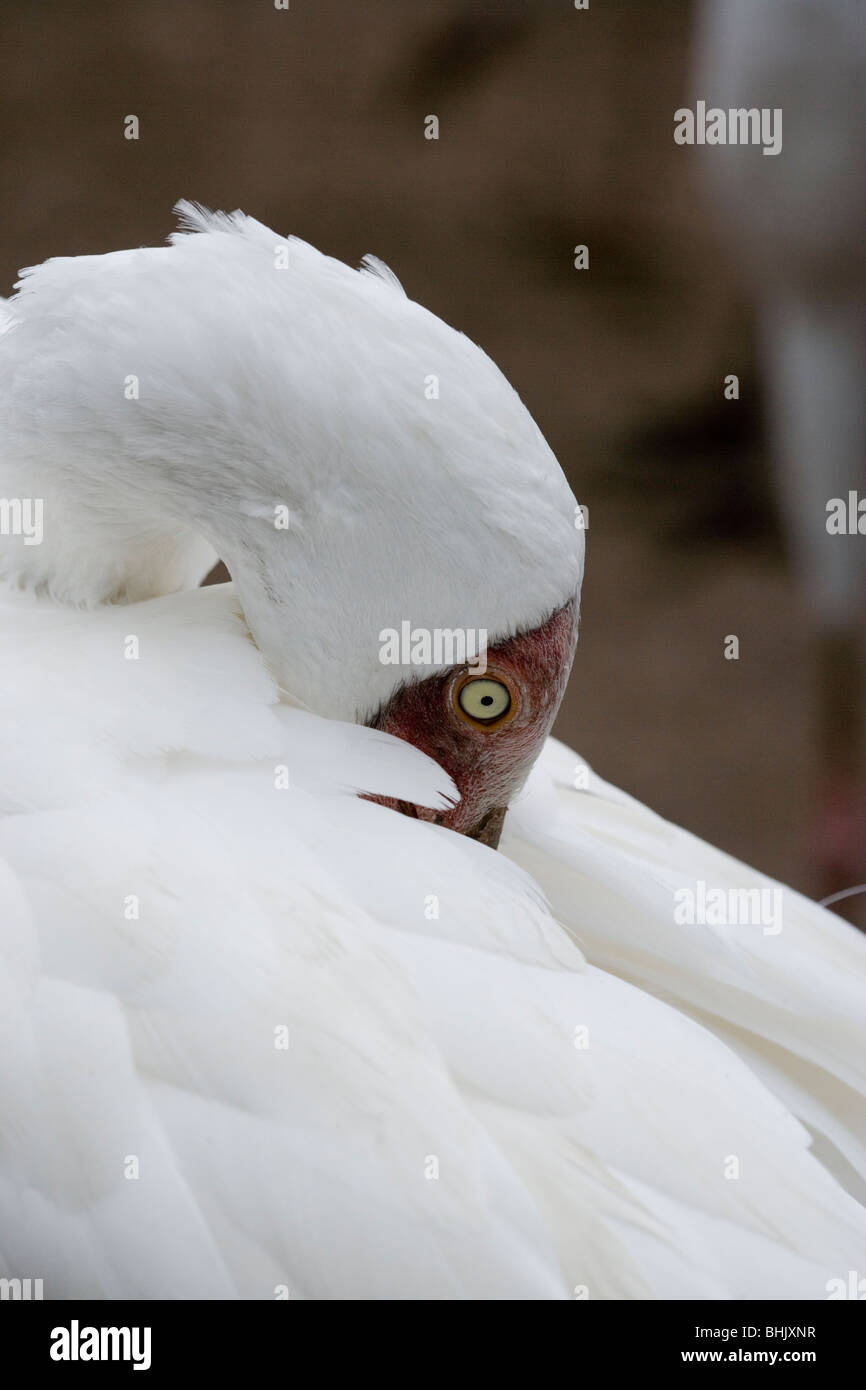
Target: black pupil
(487, 699)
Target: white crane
(261, 1034)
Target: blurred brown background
(556, 128)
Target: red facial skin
(488, 764)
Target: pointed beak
(489, 828)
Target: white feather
(263, 1032)
(147, 1033)
(789, 1000)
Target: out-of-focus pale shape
(797, 225)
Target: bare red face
(486, 730)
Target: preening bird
(794, 222)
(277, 1017)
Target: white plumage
(259, 1036)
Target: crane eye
(484, 700)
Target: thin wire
(845, 893)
